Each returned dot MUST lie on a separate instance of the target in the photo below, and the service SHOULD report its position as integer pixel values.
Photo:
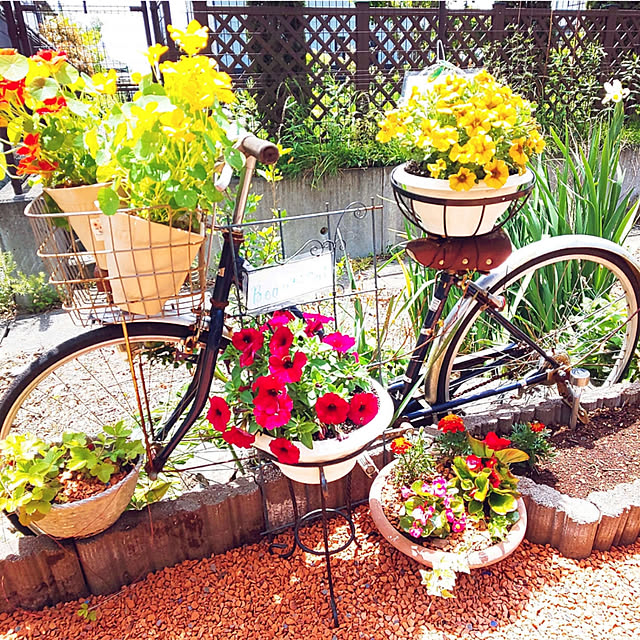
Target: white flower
(614, 92)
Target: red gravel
(246, 594)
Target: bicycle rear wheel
(576, 296)
(86, 383)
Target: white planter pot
(461, 220)
(327, 450)
(423, 555)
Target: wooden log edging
(37, 571)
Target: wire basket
(451, 214)
(107, 266)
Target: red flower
(363, 408)
(15, 89)
(238, 438)
(272, 406)
(493, 441)
(474, 463)
(285, 451)
(52, 105)
(400, 446)
(451, 424)
(332, 409)
(281, 342)
(494, 479)
(269, 389)
(339, 341)
(280, 318)
(315, 323)
(219, 413)
(491, 463)
(286, 369)
(248, 342)
(51, 58)
(536, 427)
(28, 166)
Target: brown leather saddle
(475, 253)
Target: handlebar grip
(262, 150)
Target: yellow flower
(496, 172)
(461, 153)
(476, 122)
(105, 82)
(192, 40)
(435, 168)
(174, 123)
(463, 180)
(483, 148)
(136, 77)
(484, 77)
(154, 53)
(504, 115)
(443, 137)
(535, 142)
(393, 125)
(489, 101)
(517, 151)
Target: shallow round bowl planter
(333, 449)
(423, 555)
(458, 219)
(84, 518)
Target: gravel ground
(246, 593)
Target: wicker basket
(152, 269)
(90, 516)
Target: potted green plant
(467, 137)
(55, 120)
(452, 503)
(70, 489)
(169, 142)
(299, 394)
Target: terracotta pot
(461, 220)
(80, 201)
(147, 261)
(84, 518)
(327, 450)
(426, 556)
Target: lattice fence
(280, 49)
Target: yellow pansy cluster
(465, 129)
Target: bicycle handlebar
(262, 150)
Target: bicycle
(492, 342)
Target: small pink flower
(339, 341)
(458, 525)
(426, 487)
(439, 487)
(406, 493)
(430, 511)
(416, 530)
(451, 517)
(419, 515)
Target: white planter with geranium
(300, 395)
(469, 139)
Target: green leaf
(306, 440)
(474, 507)
(43, 88)
(478, 448)
(78, 108)
(198, 172)
(186, 198)
(482, 487)
(66, 74)
(103, 471)
(108, 200)
(502, 503)
(14, 67)
(81, 458)
(509, 456)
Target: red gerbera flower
(248, 342)
(451, 424)
(281, 342)
(272, 413)
(52, 105)
(219, 413)
(315, 323)
(280, 318)
(287, 369)
(339, 341)
(363, 408)
(238, 438)
(332, 409)
(536, 427)
(495, 442)
(474, 463)
(285, 451)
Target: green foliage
(30, 293)
(31, 470)
(533, 439)
(449, 445)
(414, 460)
(85, 612)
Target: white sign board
(284, 284)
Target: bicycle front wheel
(575, 296)
(86, 382)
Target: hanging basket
(149, 269)
(326, 451)
(84, 518)
(438, 210)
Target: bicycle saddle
(475, 253)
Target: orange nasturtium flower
(50, 58)
(463, 180)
